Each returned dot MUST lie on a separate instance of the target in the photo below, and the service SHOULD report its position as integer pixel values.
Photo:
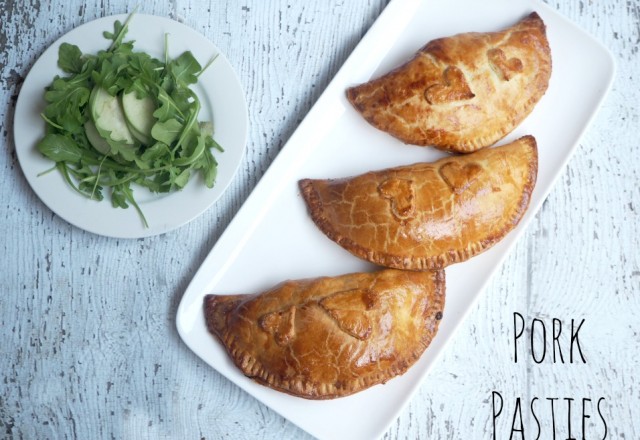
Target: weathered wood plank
(90, 348)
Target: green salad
(122, 117)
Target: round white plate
(222, 100)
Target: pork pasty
(333, 336)
(427, 215)
(463, 92)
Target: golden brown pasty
(464, 92)
(329, 337)
(427, 215)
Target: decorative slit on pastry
(505, 69)
(427, 215)
(464, 92)
(453, 88)
(332, 336)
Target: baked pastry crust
(427, 215)
(464, 92)
(329, 337)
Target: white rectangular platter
(273, 239)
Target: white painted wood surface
(89, 348)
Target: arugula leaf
(70, 58)
(181, 179)
(66, 99)
(168, 108)
(210, 168)
(167, 131)
(184, 101)
(110, 75)
(155, 152)
(118, 197)
(185, 68)
(60, 148)
(119, 31)
(190, 127)
(190, 157)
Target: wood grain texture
(89, 346)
